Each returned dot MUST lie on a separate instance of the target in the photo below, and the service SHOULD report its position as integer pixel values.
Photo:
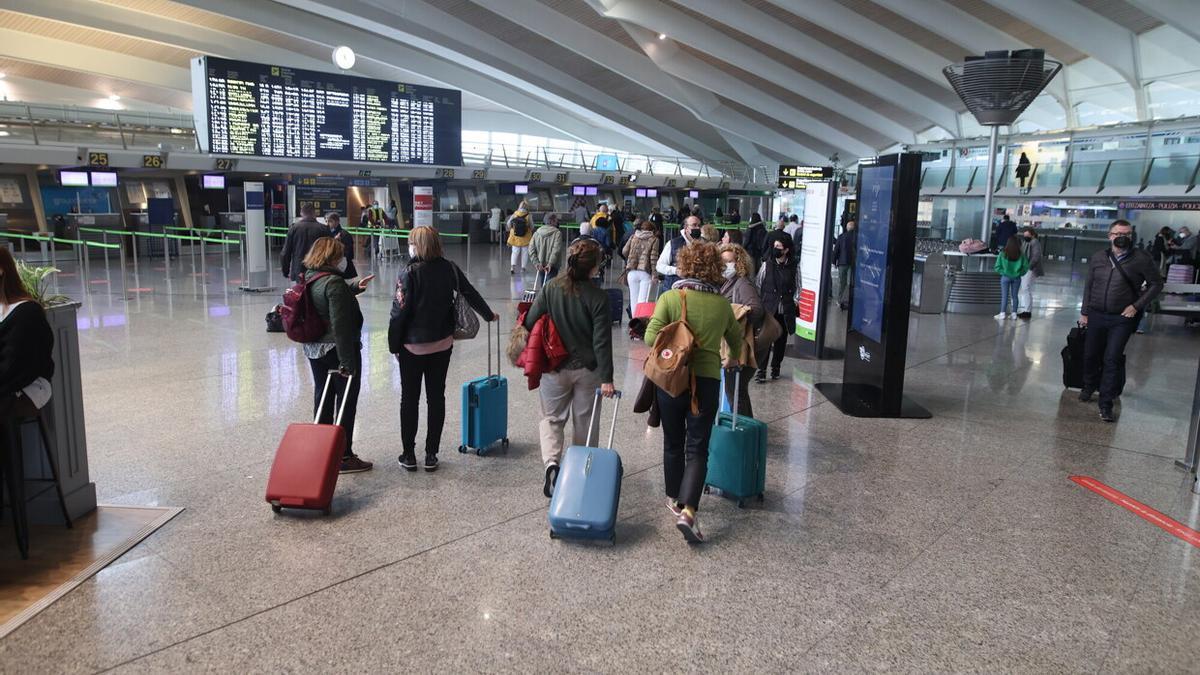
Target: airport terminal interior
(933, 492)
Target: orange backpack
(667, 365)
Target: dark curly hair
(700, 260)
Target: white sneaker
(1013, 316)
(1001, 316)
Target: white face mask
(341, 265)
(412, 251)
(730, 270)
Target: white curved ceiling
(753, 81)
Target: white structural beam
(1093, 34)
(976, 36)
(768, 29)
(405, 59)
(71, 56)
(1178, 14)
(842, 20)
(649, 73)
(432, 30)
(159, 29)
(656, 17)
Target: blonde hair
(426, 243)
(741, 259)
(710, 233)
(325, 252)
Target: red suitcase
(645, 309)
(305, 470)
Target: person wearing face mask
(547, 250)
(333, 220)
(339, 349)
(688, 233)
(778, 283)
(738, 289)
(299, 240)
(1121, 282)
(1031, 248)
(421, 335)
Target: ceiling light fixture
(114, 98)
(343, 57)
(3, 75)
(662, 36)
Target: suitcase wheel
(707, 490)
(462, 449)
(761, 498)
(741, 503)
(504, 443)
(276, 508)
(328, 510)
(552, 535)
(480, 452)
(612, 541)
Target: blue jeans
(1010, 287)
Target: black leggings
(320, 369)
(432, 369)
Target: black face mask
(1122, 241)
(780, 254)
(695, 232)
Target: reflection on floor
(956, 543)
(60, 559)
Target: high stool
(12, 465)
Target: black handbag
(274, 321)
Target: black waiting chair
(12, 465)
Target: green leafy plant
(37, 281)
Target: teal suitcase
(737, 456)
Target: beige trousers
(566, 393)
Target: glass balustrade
(1048, 176)
(935, 177)
(1087, 174)
(1172, 170)
(1125, 172)
(960, 177)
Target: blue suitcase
(588, 489)
(737, 455)
(485, 406)
(616, 304)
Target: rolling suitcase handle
(489, 349)
(737, 388)
(325, 393)
(612, 432)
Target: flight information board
(245, 108)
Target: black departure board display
(274, 111)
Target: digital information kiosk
(877, 333)
(820, 203)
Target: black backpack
(520, 226)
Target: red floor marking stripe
(1152, 516)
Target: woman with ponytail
(580, 312)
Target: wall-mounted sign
(364, 173)
(624, 180)
(1158, 205)
(670, 182)
(535, 176)
(608, 180)
(691, 183)
(152, 161)
(791, 176)
(479, 174)
(423, 206)
(444, 173)
(561, 178)
(224, 164)
(97, 159)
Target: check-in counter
(929, 283)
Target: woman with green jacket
(340, 348)
(686, 431)
(1011, 264)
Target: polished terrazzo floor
(951, 544)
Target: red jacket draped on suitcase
(544, 352)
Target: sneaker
(551, 479)
(1085, 395)
(1025, 315)
(690, 528)
(760, 377)
(1106, 414)
(512, 271)
(431, 463)
(1000, 317)
(774, 374)
(676, 509)
(353, 464)
(408, 461)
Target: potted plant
(64, 413)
